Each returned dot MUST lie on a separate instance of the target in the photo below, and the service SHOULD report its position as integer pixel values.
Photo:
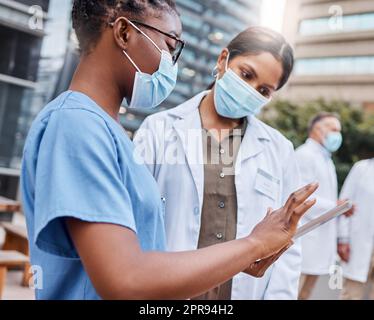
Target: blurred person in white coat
(356, 233)
(315, 163)
(208, 203)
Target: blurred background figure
(314, 158)
(356, 233)
(334, 71)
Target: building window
(42, 3)
(351, 23)
(335, 66)
(13, 114)
(19, 54)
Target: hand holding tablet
(321, 220)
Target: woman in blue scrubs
(95, 216)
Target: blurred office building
(208, 26)
(33, 37)
(21, 41)
(334, 47)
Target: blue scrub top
(78, 162)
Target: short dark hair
(89, 16)
(256, 40)
(319, 117)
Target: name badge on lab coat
(267, 184)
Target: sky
(54, 44)
(272, 14)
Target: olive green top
(219, 212)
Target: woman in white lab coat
(255, 64)
(356, 233)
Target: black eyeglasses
(180, 44)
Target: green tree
(358, 128)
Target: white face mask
(236, 99)
(151, 90)
(333, 141)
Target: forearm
(119, 269)
(183, 275)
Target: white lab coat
(319, 246)
(359, 229)
(182, 185)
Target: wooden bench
(16, 240)
(7, 205)
(7, 208)
(10, 259)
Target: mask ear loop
(145, 35)
(215, 70)
(132, 61)
(227, 61)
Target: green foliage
(358, 128)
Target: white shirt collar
(319, 147)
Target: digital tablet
(326, 217)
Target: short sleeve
(78, 176)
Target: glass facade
(335, 66)
(12, 98)
(29, 67)
(19, 60)
(30, 64)
(325, 25)
(44, 4)
(16, 58)
(208, 26)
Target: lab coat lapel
(189, 131)
(252, 144)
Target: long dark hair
(256, 40)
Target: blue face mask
(151, 90)
(333, 141)
(235, 99)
